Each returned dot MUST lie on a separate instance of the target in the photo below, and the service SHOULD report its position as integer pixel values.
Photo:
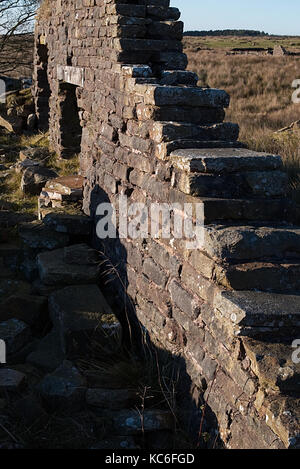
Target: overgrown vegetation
(261, 90)
(11, 195)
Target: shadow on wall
(194, 416)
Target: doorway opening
(43, 91)
(70, 128)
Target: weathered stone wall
(230, 309)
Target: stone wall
(230, 309)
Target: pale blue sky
(272, 16)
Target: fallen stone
(68, 185)
(35, 235)
(81, 254)
(15, 334)
(55, 271)
(27, 308)
(64, 388)
(82, 307)
(34, 179)
(30, 410)
(38, 154)
(21, 166)
(71, 224)
(48, 354)
(11, 380)
(12, 124)
(131, 422)
(114, 399)
(11, 255)
(9, 286)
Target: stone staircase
(51, 312)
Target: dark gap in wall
(70, 128)
(43, 87)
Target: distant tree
(16, 26)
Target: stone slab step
(49, 353)
(263, 276)
(81, 308)
(15, 334)
(178, 77)
(258, 314)
(36, 235)
(219, 160)
(254, 210)
(64, 388)
(54, 270)
(183, 96)
(114, 399)
(71, 224)
(163, 150)
(273, 365)
(169, 131)
(11, 380)
(232, 185)
(251, 243)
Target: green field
(231, 42)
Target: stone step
(170, 131)
(200, 116)
(165, 30)
(248, 210)
(251, 243)
(114, 399)
(178, 77)
(81, 312)
(10, 254)
(160, 95)
(223, 160)
(37, 236)
(273, 365)
(262, 276)
(259, 315)
(15, 334)
(165, 149)
(55, 270)
(71, 224)
(232, 185)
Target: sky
(271, 16)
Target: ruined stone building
(111, 84)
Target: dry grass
(261, 99)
